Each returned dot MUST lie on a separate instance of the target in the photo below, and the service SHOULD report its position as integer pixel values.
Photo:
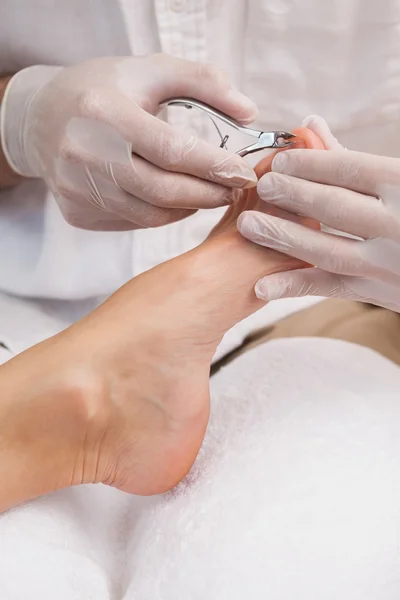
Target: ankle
(49, 428)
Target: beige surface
(363, 324)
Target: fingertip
(270, 288)
(320, 127)
(247, 117)
(241, 222)
(244, 224)
(251, 184)
(280, 162)
(234, 171)
(311, 120)
(245, 110)
(261, 290)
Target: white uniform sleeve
(44, 257)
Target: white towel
(294, 496)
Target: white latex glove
(90, 132)
(352, 192)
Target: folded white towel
(295, 495)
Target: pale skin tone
(122, 397)
(132, 411)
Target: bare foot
(159, 374)
(127, 399)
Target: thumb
(204, 82)
(320, 127)
(301, 282)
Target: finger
(338, 208)
(324, 250)
(320, 127)
(92, 220)
(103, 151)
(355, 171)
(169, 148)
(179, 151)
(84, 187)
(298, 283)
(163, 188)
(88, 217)
(315, 282)
(138, 211)
(203, 81)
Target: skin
(251, 201)
(122, 397)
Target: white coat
(293, 57)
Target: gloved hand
(90, 132)
(352, 192)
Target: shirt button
(177, 5)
